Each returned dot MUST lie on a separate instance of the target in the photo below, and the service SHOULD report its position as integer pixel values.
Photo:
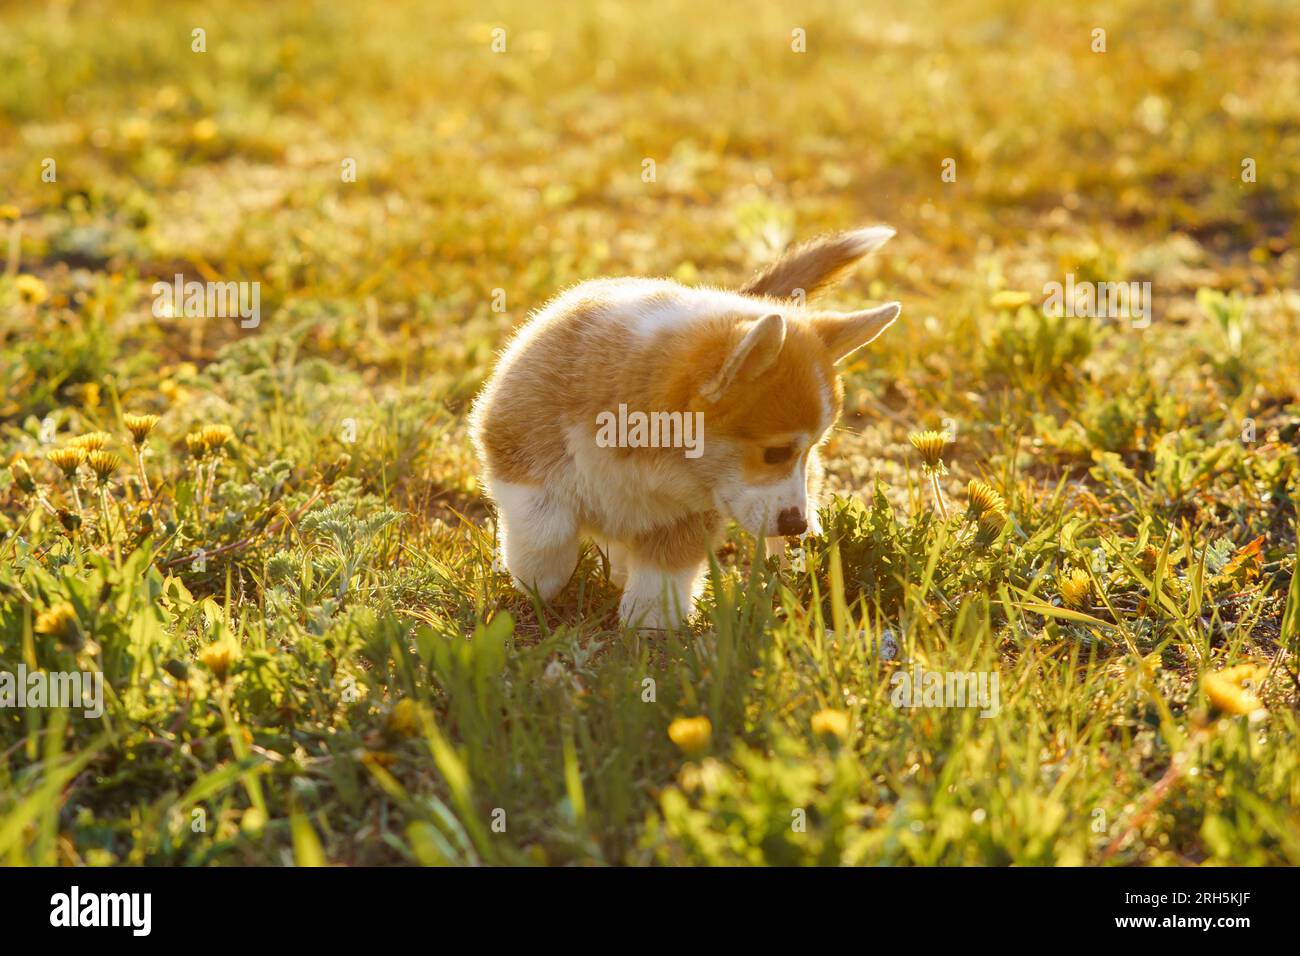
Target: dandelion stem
(198, 490)
(144, 478)
(211, 483)
(107, 529)
(938, 495)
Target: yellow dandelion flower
(139, 426)
(252, 821)
(204, 130)
(404, 718)
(1151, 664)
(103, 464)
(10, 213)
(31, 290)
(984, 498)
(1010, 299)
(991, 524)
(167, 97)
(931, 445)
(831, 723)
(67, 459)
(59, 621)
(216, 437)
(194, 442)
(172, 391)
(692, 735)
(218, 657)
(1234, 690)
(92, 441)
(1076, 588)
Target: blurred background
(524, 169)
(406, 181)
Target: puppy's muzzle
(790, 522)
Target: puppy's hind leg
(539, 537)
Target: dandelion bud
(983, 498)
(22, 476)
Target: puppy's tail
(818, 264)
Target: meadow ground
(308, 656)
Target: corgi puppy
(644, 414)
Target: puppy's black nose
(791, 522)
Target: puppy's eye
(775, 456)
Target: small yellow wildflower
(218, 657)
(92, 441)
(171, 391)
(103, 464)
(139, 426)
(67, 459)
(31, 290)
(1010, 299)
(204, 130)
(209, 440)
(930, 444)
(59, 621)
(216, 437)
(831, 723)
(1151, 664)
(404, 718)
(1234, 690)
(692, 735)
(1076, 588)
(991, 524)
(984, 498)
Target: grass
(308, 654)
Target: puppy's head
(769, 403)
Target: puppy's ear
(753, 356)
(843, 333)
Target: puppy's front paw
(657, 598)
(646, 617)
